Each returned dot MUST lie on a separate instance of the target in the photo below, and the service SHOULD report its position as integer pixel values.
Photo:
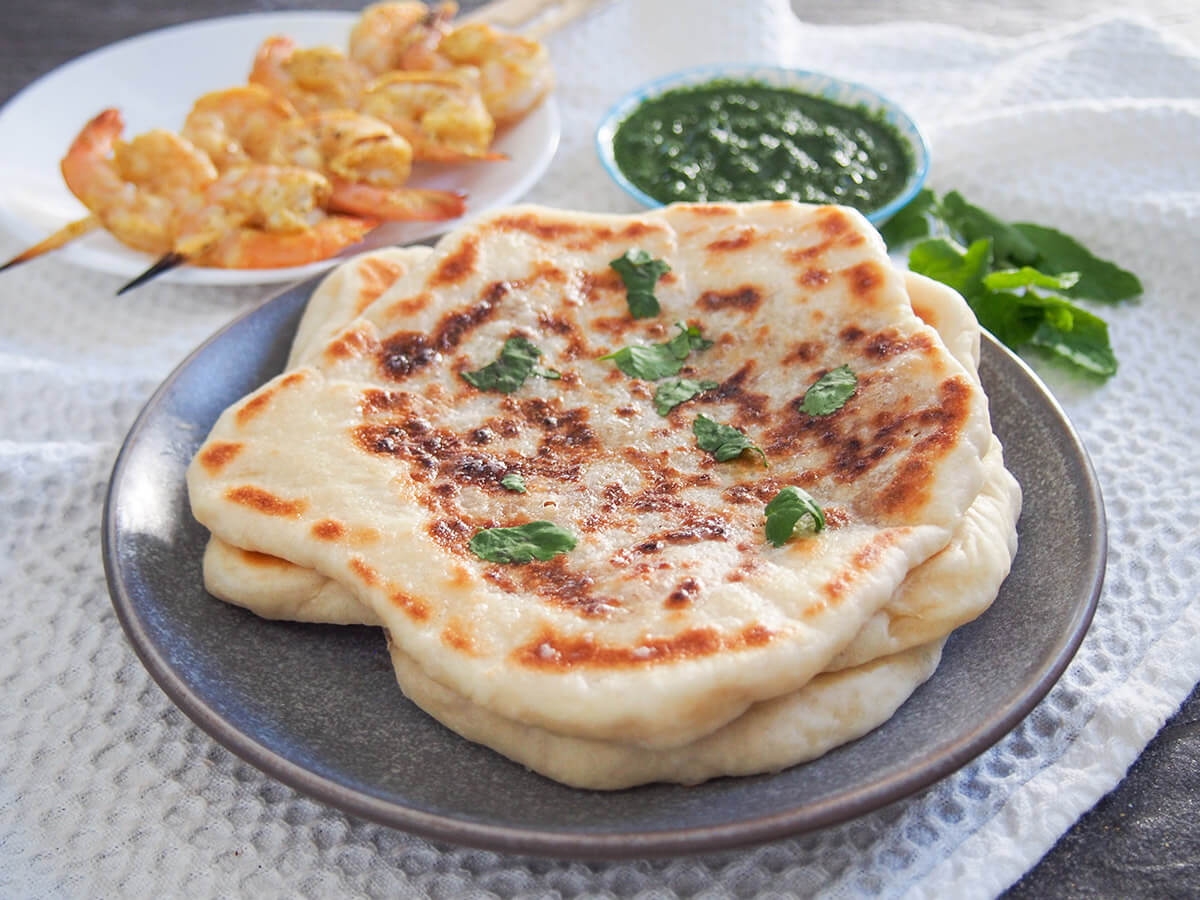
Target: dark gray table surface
(1143, 839)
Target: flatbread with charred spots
(672, 616)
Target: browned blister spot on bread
(413, 607)
(353, 343)
(265, 502)
(407, 306)
(746, 298)
(219, 454)
(684, 593)
(457, 266)
(550, 650)
(805, 351)
(263, 560)
(745, 237)
(864, 560)
(908, 490)
(256, 404)
(405, 352)
(457, 637)
(813, 278)
(376, 276)
(863, 281)
(574, 235)
(359, 567)
(328, 530)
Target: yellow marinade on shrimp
(442, 114)
(389, 36)
(135, 188)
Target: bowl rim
(898, 117)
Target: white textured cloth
(107, 790)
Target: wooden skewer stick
(64, 235)
(532, 18)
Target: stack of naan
(673, 642)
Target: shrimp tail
(63, 236)
(395, 204)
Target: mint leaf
(1083, 340)
(947, 262)
(1009, 317)
(830, 392)
(970, 223)
(1099, 279)
(786, 509)
(653, 361)
(723, 441)
(517, 361)
(910, 222)
(522, 543)
(640, 272)
(671, 393)
(1027, 276)
(513, 482)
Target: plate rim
(207, 277)
(590, 845)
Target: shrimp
(514, 71)
(265, 217)
(400, 36)
(134, 189)
(367, 164)
(312, 79)
(238, 126)
(442, 114)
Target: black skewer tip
(165, 263)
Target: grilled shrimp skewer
(366, 162)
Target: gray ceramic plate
(318, 708)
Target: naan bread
(946, 591)
(829, 711)
(672, 615)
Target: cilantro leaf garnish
(522, 543)
(640, 272)
(830, 392)
(785, 511)
(653, 361)
(517, 361)
(723, 441)
(513, 482)
(680, 390)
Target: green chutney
(728, 140)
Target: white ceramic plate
(153, 79)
